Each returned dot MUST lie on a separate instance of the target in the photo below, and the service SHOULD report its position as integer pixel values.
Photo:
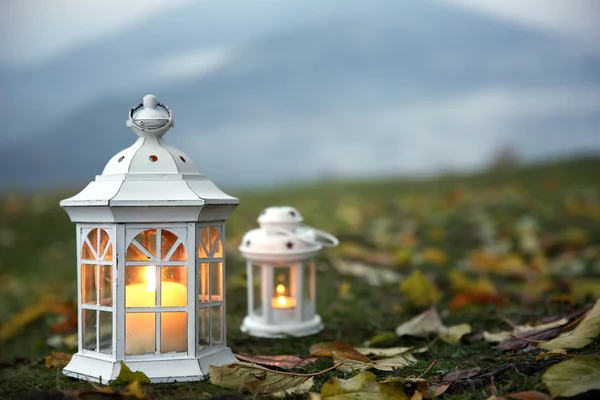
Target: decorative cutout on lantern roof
(152, 175)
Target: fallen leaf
(522, 329)
(552, 353)
(469, 298)
(382, 337)
(256, 379)
(528, 395)
(419, 290)
(585, 333)
(28, 315)
(428, 323)
(423, 325)
(362, 386)
(134, 389)
(327, 349)
(57, 360)
(434, 255)
(382, 364)
(344, 290)
(573, 377)
(126, 375)
(453, 334)
(515, 341)
(297, 390)
(374, 353)
(372, 275)
(451, 378)
(283, 361)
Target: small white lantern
(151, 264)
(281, 275)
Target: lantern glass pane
(105, 332)
(216, 281)
(147, 239)
(87, 253)
(173, 332)
(174, 286)
(284, 289)
(135, 254)
(203, 328)
(88, 284)
(140, 286)
(216, 323)
(89, 329)
(257, 290)
(93, 238)
(105, 249)
(203, 281)
(105, 285)
(140, 333)
(171, 248)
(210, 245)
(309, 281)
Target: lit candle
(281, 301)
(141, 327)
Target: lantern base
(105, 371)
(253, 327)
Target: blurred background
(275, 92)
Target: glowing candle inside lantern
(281, 301)
(141, 327)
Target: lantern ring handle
(332, 241)
(140, 126)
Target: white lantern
(151, 264)
(281, 274)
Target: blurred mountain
(263, 96)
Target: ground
(512, 245)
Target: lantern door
(156, 295)
(96, 272)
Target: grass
(391, 224)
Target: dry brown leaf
(57, 359)
(528, 395)
(282, 361)
(257, 379)
(451, 378)
(327, 349)
(374, 353)
(382, 364)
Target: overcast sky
(34, 31)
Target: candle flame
(151, 278)
(281, 300)
(280, 289)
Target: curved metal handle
(141, 126)
(333, 241)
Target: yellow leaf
(382, 364)
(585, 333)
(374, 353)
(26, 316)
(126, 375)
(133, 389)
(329, 349)
(552, 353)
(57, 360)
(344, 290)
(460, 282)
(572, 377)
(419, 290)
(453, 334)
(254, 378)
(362, 386)
(585, 288)
(434, 255)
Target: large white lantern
(281, 274)
(151, 264)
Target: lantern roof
(282, 238)
(149, 174)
